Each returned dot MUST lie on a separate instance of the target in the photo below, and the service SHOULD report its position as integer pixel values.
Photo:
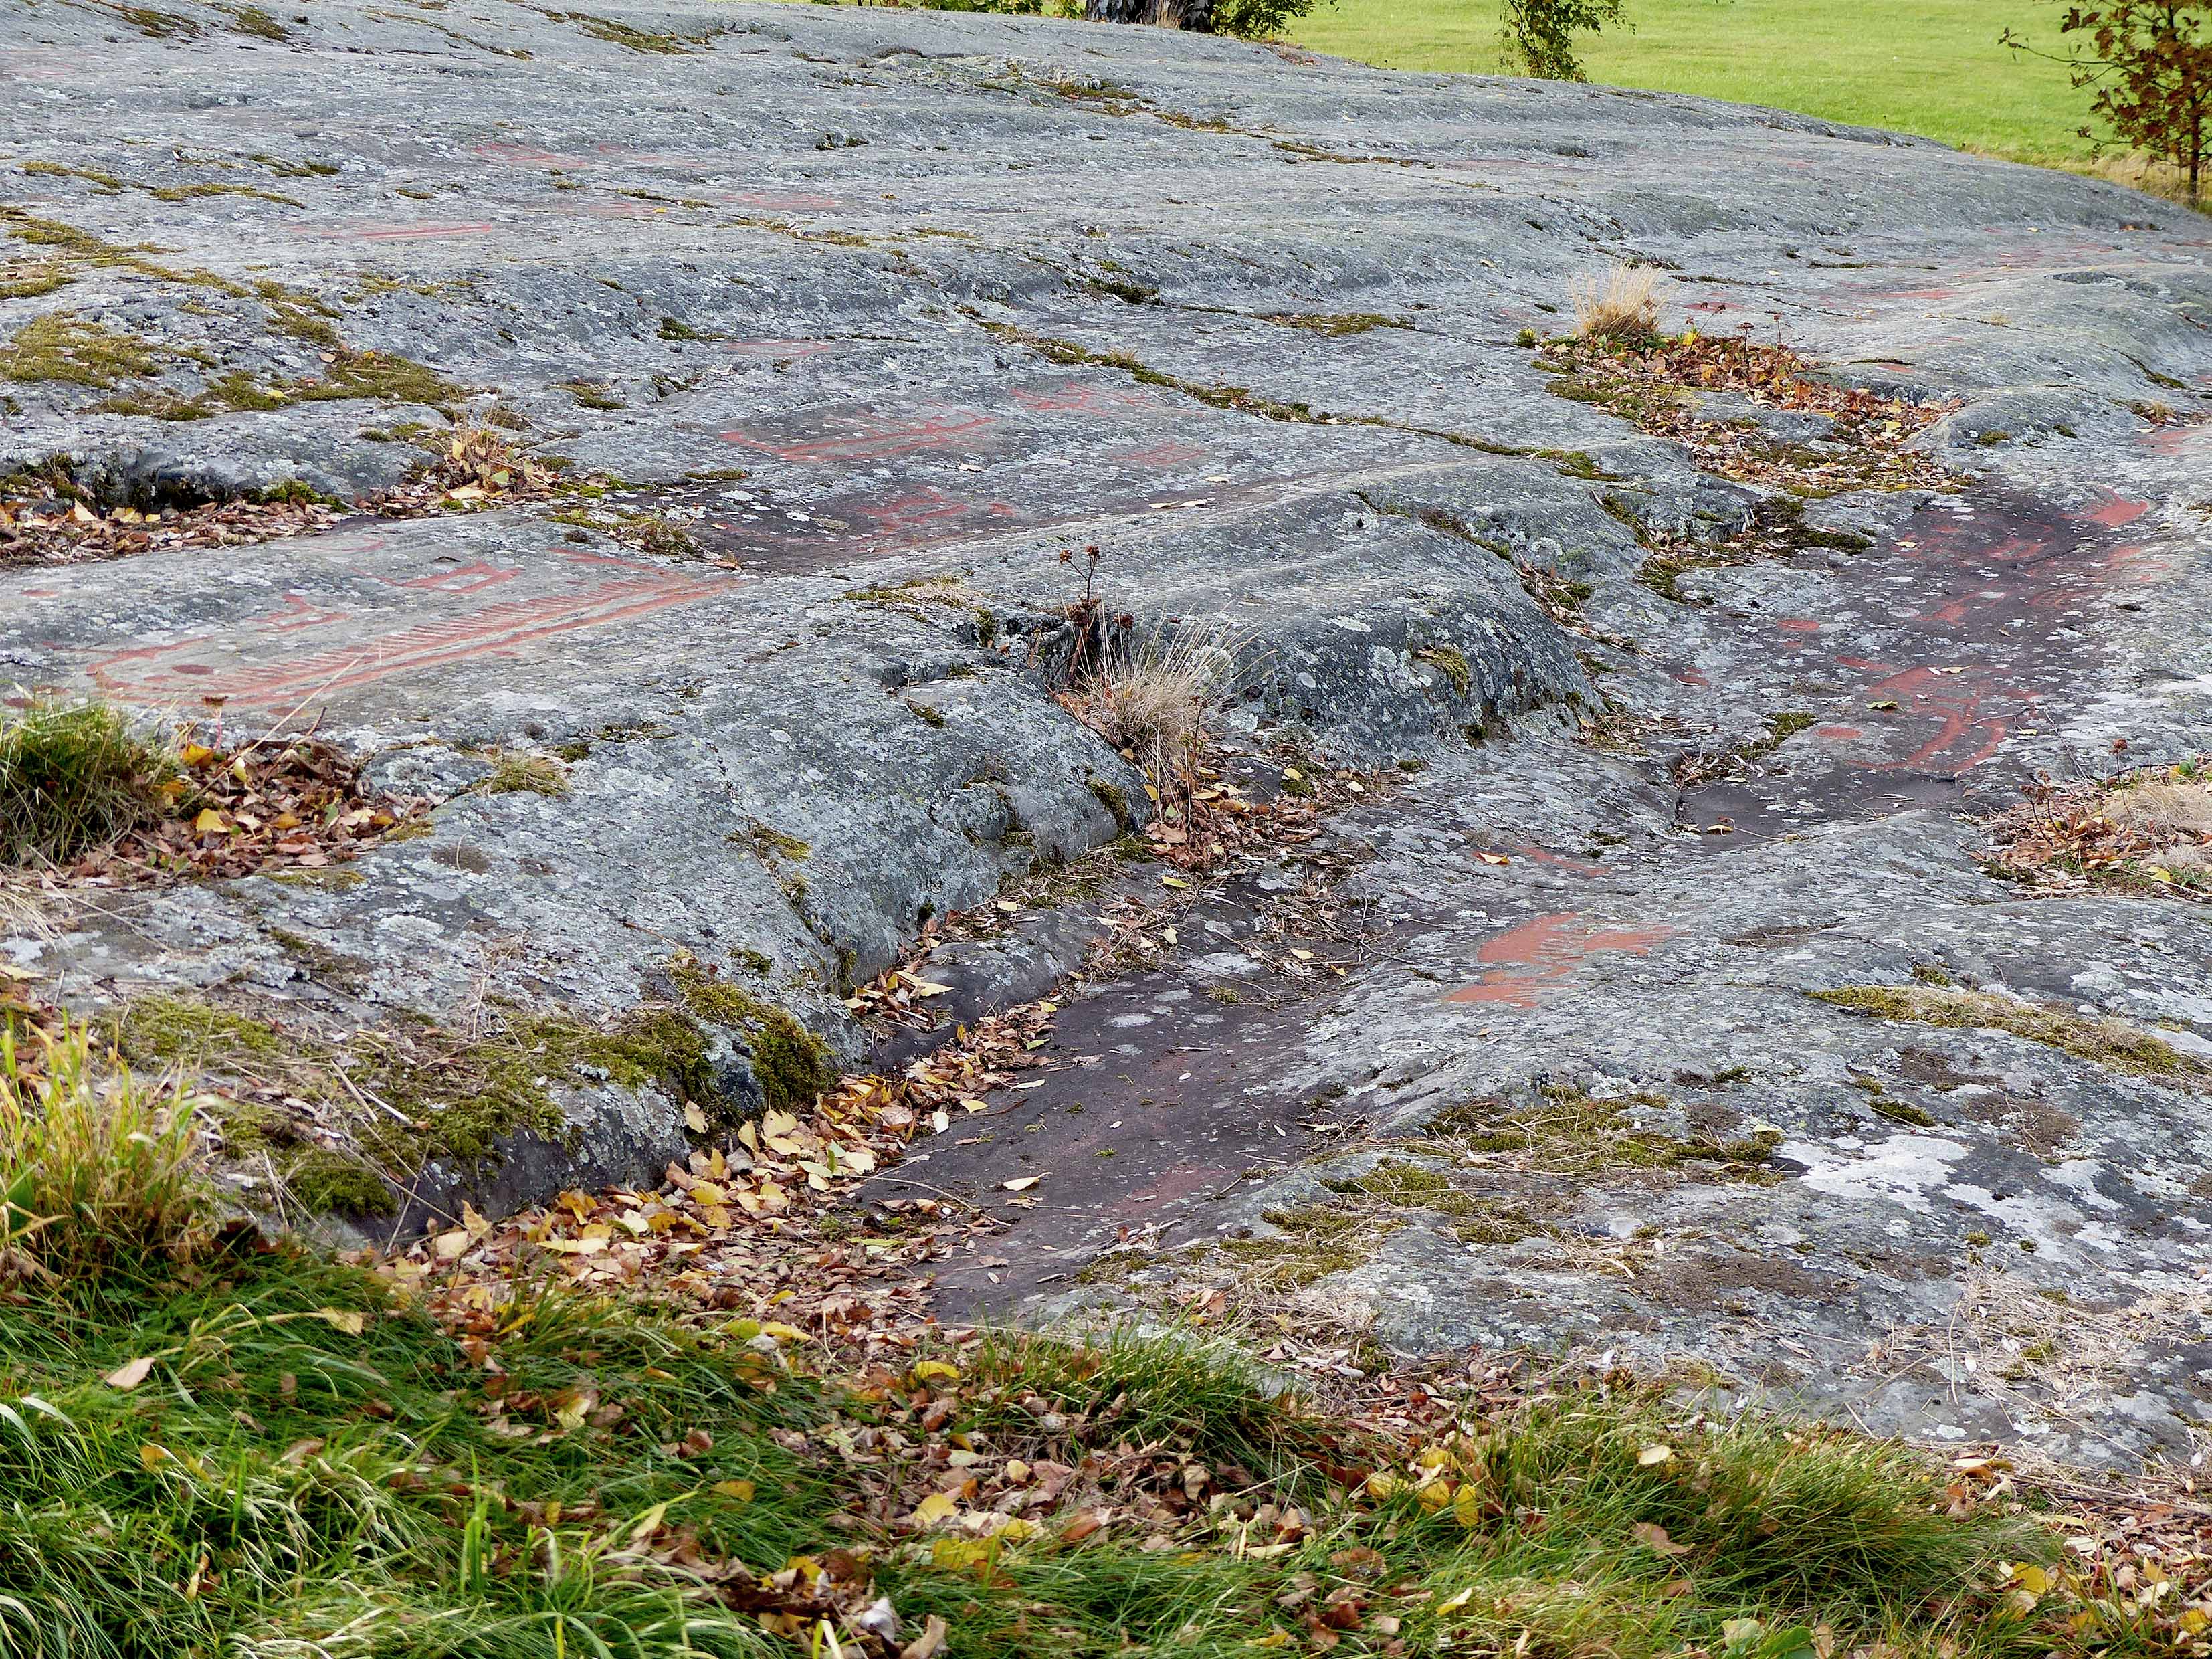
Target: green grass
(73, 776)
(253, 1450)
(1932, 70)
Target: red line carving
(491, 631)
(869, 437)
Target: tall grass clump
(73, 776)
(1154, 694)
(1623, 305)
(92, 1167)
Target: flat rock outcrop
(846, 322)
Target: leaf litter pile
(2148, 831)
(48, 521)
(1866, 443)
(190, 808)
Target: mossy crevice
(792, 1065)
(460, 1095)
(1451, 662)
(2098, 1039)
(1566, 1131)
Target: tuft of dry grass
(518, 774)
(1623, 305)
(92, 1165)
(1154, 695)
(2137, 171)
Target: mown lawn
(1931, 67)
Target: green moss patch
(522, 774)
(2112, 1043)
(68, 348)
(461, 1095)
(792, 1066)
(1451, 661)
(1566, 1132)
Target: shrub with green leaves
(1538, 35)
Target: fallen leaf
(1021, 1184)
(929, 1644)
(129, 1375)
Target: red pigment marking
(1798, 624)
(1545, 855)
(1839, 731)
(294, 614)
(522, 155)
(1526, 963)
(1919, 692)
(494, 629)
(1078, 398)
(1182, 1181)
(869, 437)
(1160, 455)
(1706, 305)
(387, 233)
(1693, 677)
(926, 508)
(2136, 566)
(464, 579)
(1953, 613)
(2172, 439)
(2117, 512)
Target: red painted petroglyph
(462, 579)
(524, 156)
(930, 509)
(1921, 694)
(1560, 860)
(1182, 1181)
(1077, 397)
(1843, 733)
(1527, 964)
(2117, 512)
(1160, 456)
(1798, 625)
(292, 615)
(2136, 566)
(601, 591)
(869, 437)
(377, 232)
